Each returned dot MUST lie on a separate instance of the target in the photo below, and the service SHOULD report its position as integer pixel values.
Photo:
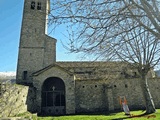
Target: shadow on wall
(31, 100)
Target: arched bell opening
(53, 97)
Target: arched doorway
(53, 96)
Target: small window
(25, 75)
(115, 86)
(33, 5)
(135, 74)
(39, 6)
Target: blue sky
(10, 26)
(10, 16)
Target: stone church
(57, 88)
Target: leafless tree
(95, 16)
(140, 48)
(127, 30)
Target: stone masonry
(57, 88)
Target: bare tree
(127, 30)
(142, 49)
(95, 16)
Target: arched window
(33, 4)
(39, 6)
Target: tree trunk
(150, 107)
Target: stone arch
(53, 96)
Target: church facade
(58, 88)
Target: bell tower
(36, 48)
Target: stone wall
(13, 101)
(98, 95)
(90, 96)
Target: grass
(135, 115)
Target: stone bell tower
(36, 49)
